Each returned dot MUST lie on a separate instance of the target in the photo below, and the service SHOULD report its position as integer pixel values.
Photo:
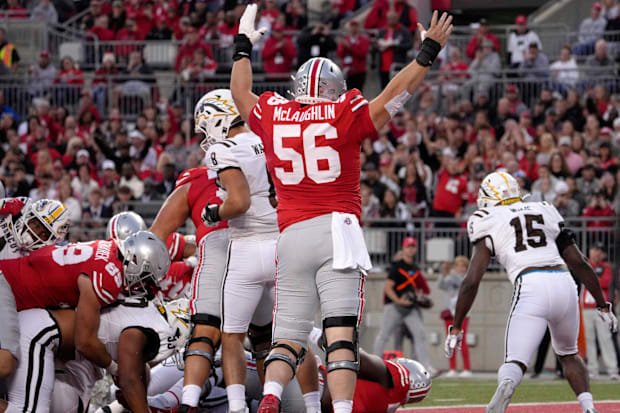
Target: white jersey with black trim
(8, 243)
(519, 235)
(245, 152)
(161, 339)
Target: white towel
(348, 243)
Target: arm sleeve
(220, 157)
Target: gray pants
(305, 279)
(395, 315)
(9, 333)
(208, 275)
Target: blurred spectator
(95, 209)
(449, 282)
(451, 188)
(372, 180)
(485, 64)
(105, 76)
(128, 36)
(392, 208)
(353, 51)
(200, 67)
(519, 41)
(295, 15)
(94, 10)
(404, 286)
(545, 190)
(546, 149)
(566, 206)
(535, 64)
(394, 42)
(413, 191)
(69, 81)
(278, 53)
(118, 16)
(141, 150)
(594, 327)
(166, 186)
(452, 81)
(370, 203)
(504, 112)
(344, 9)
(15, 181)
(150, 192)
(476, 42)
(608, 186)
(314, 41)
(101, 30)
(65, 195)
(131, 180)
(84, 183)
(44, 189)
(599, 206)
(227, 31)
(41, 76)
(599, 64)
(191, 43)
(182, 27)
(16, 9)
(160, 31)
(406, 15)
(565, 71)
(8, 53)
(515, 105)
(6, 109)
(45, 12)
(588, 183)
(609, 10)
(270, 12)
(574, 162)
(590, 30)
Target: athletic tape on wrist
(396, 104)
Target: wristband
(112, 368)
(428, 52)
(243, 47)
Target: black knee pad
(353, 345)
(260, 339)
(293, 364)
(206, 320)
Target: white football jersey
(245, 152)
(8, 243)
(150, 319)
(519, 235)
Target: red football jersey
(48, 277)
(176, 245)
(202, 190)
(371, 397)
(313, 153)
(178, 280)
(450, 192)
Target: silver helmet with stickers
(123, 224)
(145, 262)
(420, 381)
(214, 115)
(318, 80)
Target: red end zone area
(603, 407)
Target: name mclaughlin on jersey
(313, 113)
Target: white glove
(246, 25)
(452, 342)
(609, 318)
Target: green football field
(450, 392)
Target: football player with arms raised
(313, 145)
(531, 242)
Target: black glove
(211, 214)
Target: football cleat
(269, 404)
(501, 398)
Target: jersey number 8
(312, 154)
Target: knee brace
(353, 345)
(202, 319)
(293, 364)
(260, 339)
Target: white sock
(236, 397)
(273, 387)
(191, 395)
(586, 401)
(510, 371)
(342, 406)
(313, 402)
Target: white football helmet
(419, 380)
(498, 188)
(214, 115)
(145, 262)
(123, 224)
(318, 80)
(44, 222)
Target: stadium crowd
(561, 139)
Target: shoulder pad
(189, 175)
(479, 225)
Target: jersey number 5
(312, 154)
(535, 236)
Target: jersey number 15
(535, 236)
(312, 154)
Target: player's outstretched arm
(87, 318)
(404, 84)
(469, 288)
(241, 76)
(172, 214)
(238, 199)
(131, 369)
(579, 265)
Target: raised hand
(439, 30)
(246, 24)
